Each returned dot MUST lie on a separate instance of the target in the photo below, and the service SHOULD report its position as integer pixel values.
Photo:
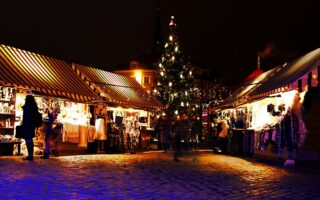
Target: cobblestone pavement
(153, 175)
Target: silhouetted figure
(195, 131)
(163, 128)
(30, 110)
(181, 127)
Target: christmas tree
(174, 79)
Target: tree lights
(173, 88)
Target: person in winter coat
(52, 115)
(195, 131)
(181, 127)
(30, 110)
(164, 126)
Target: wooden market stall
(127, 110)
(265, 103)
(51, 81)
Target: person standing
(30, 110)
(52, 115)
(186, 126)
(177, 130)
(195, 131)
(164, 130)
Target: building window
(146, 80)
(134, 66)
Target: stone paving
(153, 175)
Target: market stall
(51, 81)
(126, 111)
(271, 108)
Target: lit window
(146, 80)
(133, 66)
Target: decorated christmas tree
(174, 79)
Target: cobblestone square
(153, 175)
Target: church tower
(157, 43)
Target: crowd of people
(174, 130)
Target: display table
(145, 138)
(242, 141)
(6, 148)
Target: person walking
(30, 110)
(52, 115)
(181, 127)
(195, 131)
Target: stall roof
(290, 72)
(42, 74)
(118, 89)
(240, 95)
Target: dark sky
(226, 35)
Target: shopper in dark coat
(164, 131)
(181, 128)
(52, 115)
(195, 131)
(30, 110)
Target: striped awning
(290, 72)
(42, 74)
(117, 89)
(242, 94)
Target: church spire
(157, 44)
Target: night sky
(226, 35)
